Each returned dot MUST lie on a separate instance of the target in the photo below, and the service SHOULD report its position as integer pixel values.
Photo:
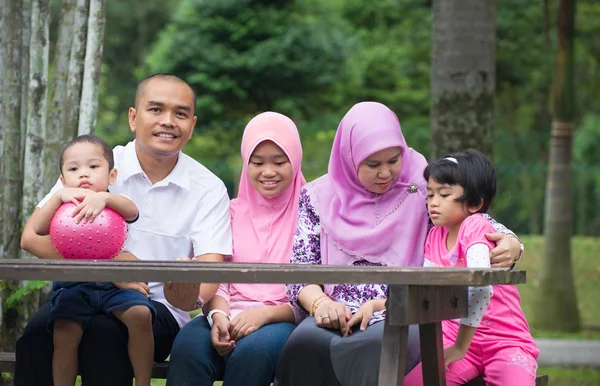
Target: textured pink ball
(103, 239)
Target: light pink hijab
(357, 224)
(263, 228)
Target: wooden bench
(423, 296)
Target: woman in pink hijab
(368, 210)
(246, 325)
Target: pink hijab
(357, 224)
(263, 227)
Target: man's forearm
(39, 246)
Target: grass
(586, 271)
(571, 377)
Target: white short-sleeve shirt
(184, 215)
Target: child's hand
(362, 316)
(74, 195)
(452, 354)
(90, 207)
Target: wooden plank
(7, 362)
(187, 272)
(432, 354)
(393, 355)
(408, 305)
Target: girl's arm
(280, 313)
(479, 298)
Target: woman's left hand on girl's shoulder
(246, 322)
(506, 251)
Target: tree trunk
(556, 307)
(462, 75)
(76, 65)
(2, 123)
(12, 177)
(57, 119)
(93, 67)
(33, 173)
(26, 36)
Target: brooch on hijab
(412, 188)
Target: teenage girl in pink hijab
(246, 325)
(368, 210)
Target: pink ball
(103, 239)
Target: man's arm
(185, 296)
(39, 246)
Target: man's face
(163, 120)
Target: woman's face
(378, 172)
(269, 169)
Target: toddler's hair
(469, 169)
(106, 149)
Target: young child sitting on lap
(494, 340)
(87, 170)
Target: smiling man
(183, 213)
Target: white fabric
(478, 256)
(184, 215)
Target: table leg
(393, 355)
(432, 354)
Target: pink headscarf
(357, 224)
(263, 227)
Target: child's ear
(475, 209)
(112, 177)
(62, 180)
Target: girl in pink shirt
(246, 325)
(494, 340)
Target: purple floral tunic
(307, 250)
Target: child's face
(380, 170)
(270, 171)
(442, 204)
(84, 166)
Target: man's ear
(132, 114)
(112, 177)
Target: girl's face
(269, 170)
(378, 172)
(444, 209)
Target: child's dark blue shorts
(82, 300)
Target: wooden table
(423, 296)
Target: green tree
(249, 56)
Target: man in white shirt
(184, 212)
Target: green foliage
(25, 290)
(313, 60)
(249, 56)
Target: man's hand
(219, 335)
(246, 322)
(140, 287)
(183, 295)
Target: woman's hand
(362, 316)
(333, 315)
(246, 322)
(219, 335)
(507, 250)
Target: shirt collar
(178, 176)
